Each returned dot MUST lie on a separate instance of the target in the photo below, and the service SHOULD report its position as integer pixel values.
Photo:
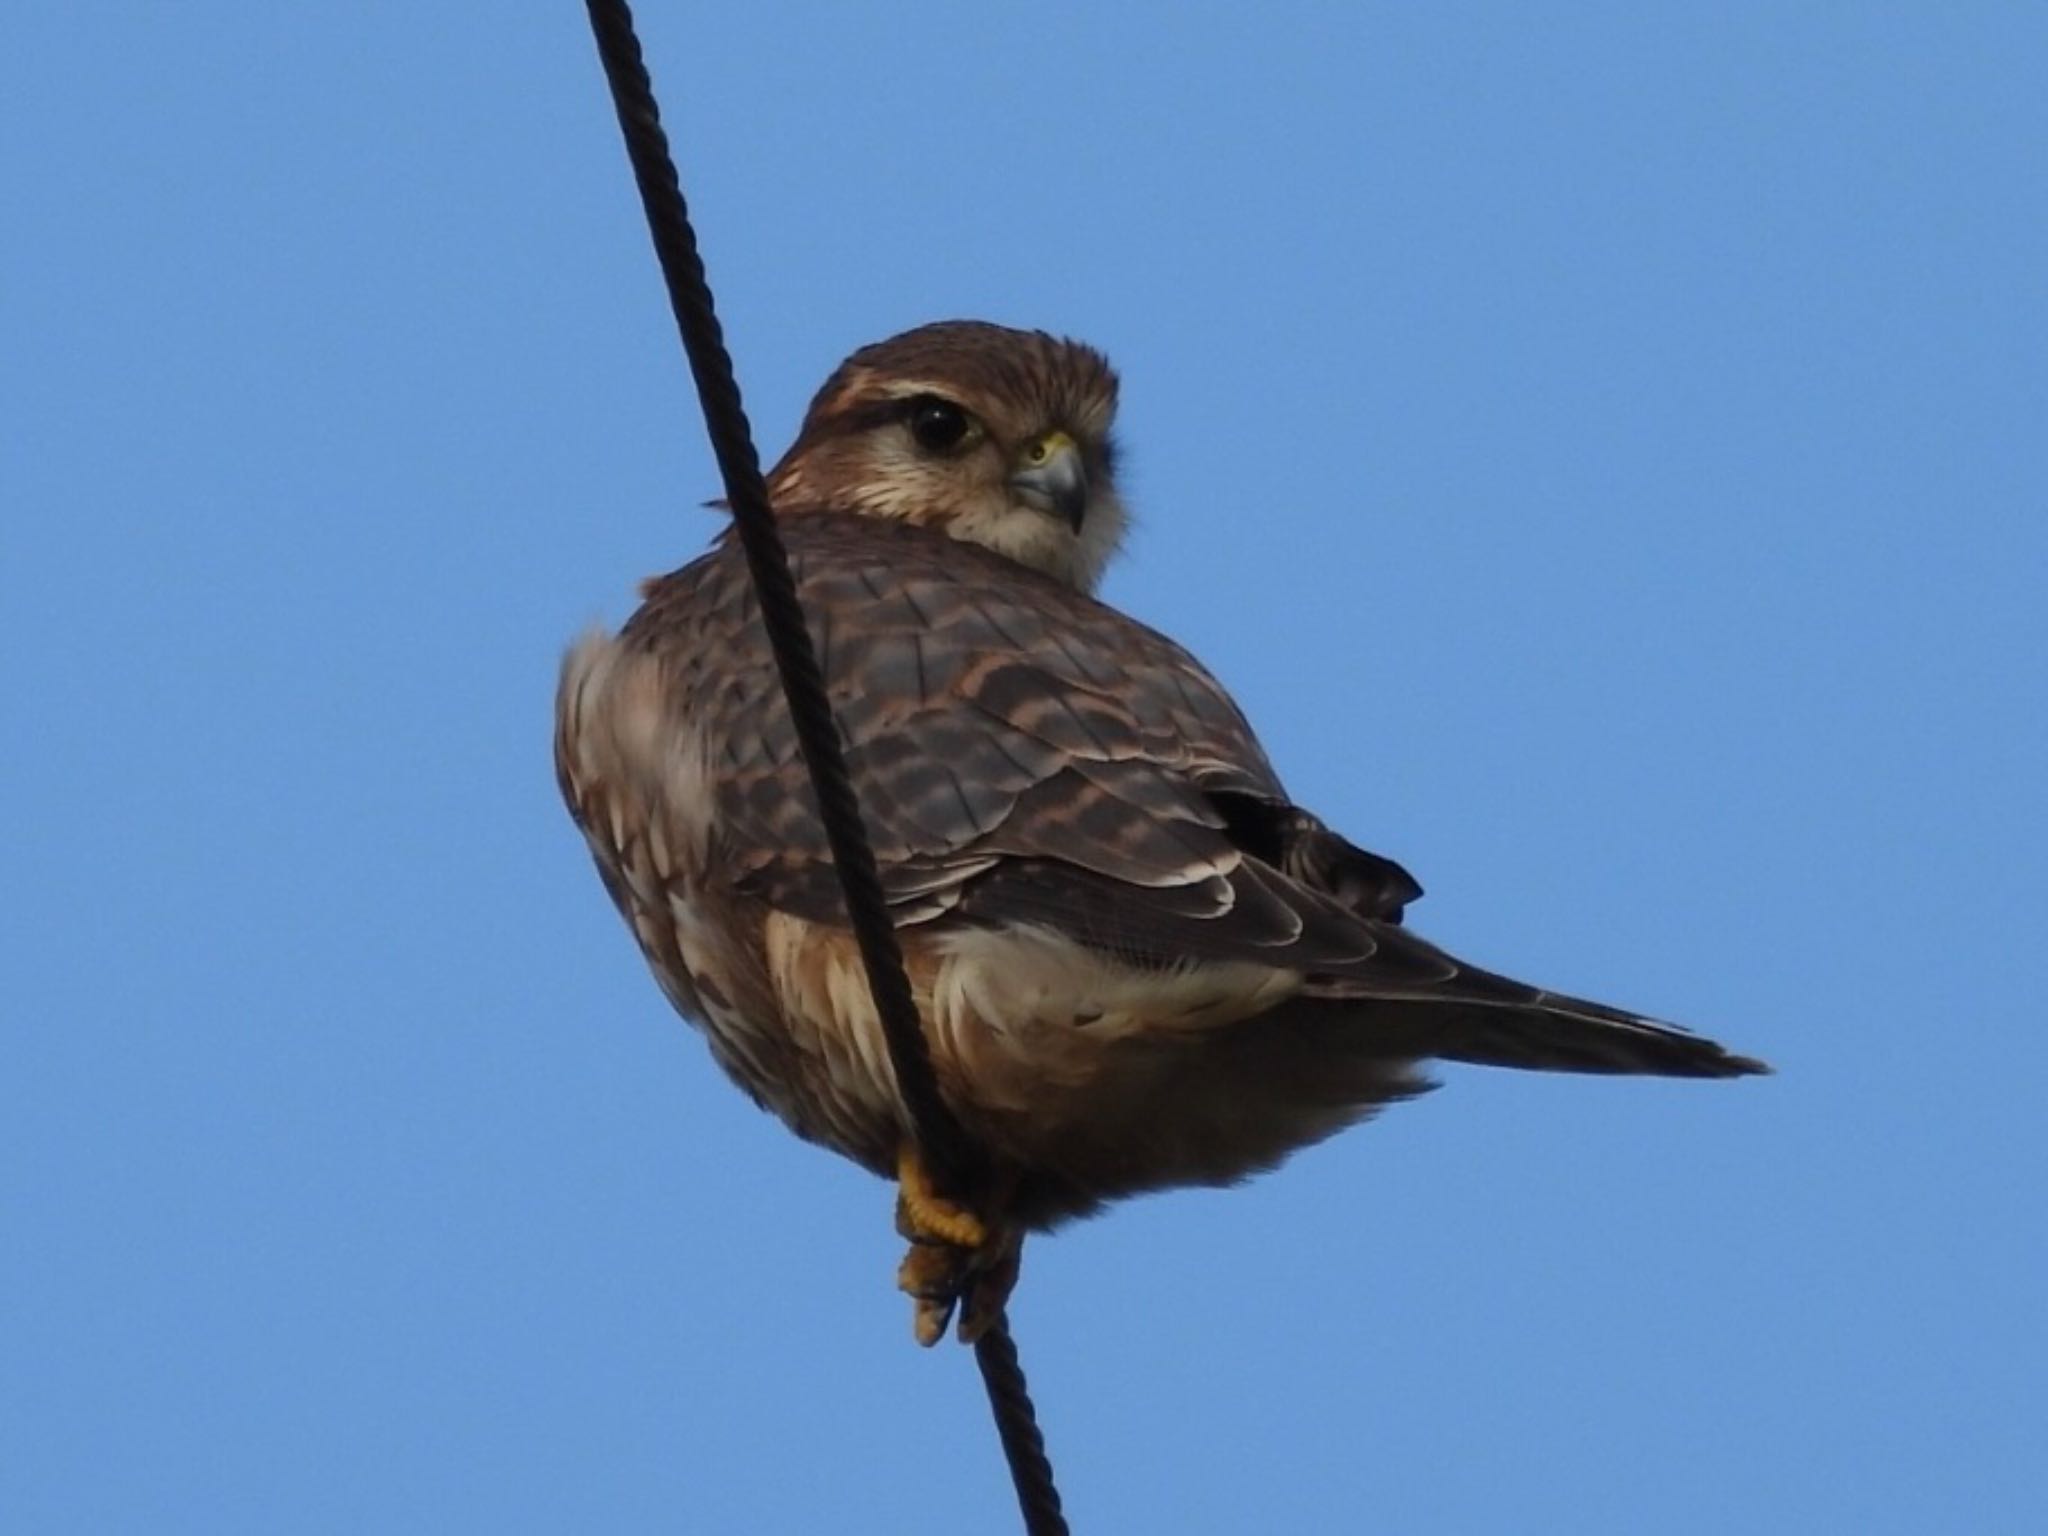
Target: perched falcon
(1139, 964)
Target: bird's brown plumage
(1139, 963)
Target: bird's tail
(1425, 1000)
(1555, 1033)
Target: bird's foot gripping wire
(957, 1259)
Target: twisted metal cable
(1009, 1399)
(958, 1161)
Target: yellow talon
(957, 1260)
(933, 1276)
(927, 1216)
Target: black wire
(725, 420)
(956, 1160)
(1009, 1399)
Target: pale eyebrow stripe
(904, 389)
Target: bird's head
(997, 437)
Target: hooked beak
(1051, 477)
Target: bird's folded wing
(1022, 753)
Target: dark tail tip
(1567, 1035)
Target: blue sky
(1603, 447)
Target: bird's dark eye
(939, 425)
